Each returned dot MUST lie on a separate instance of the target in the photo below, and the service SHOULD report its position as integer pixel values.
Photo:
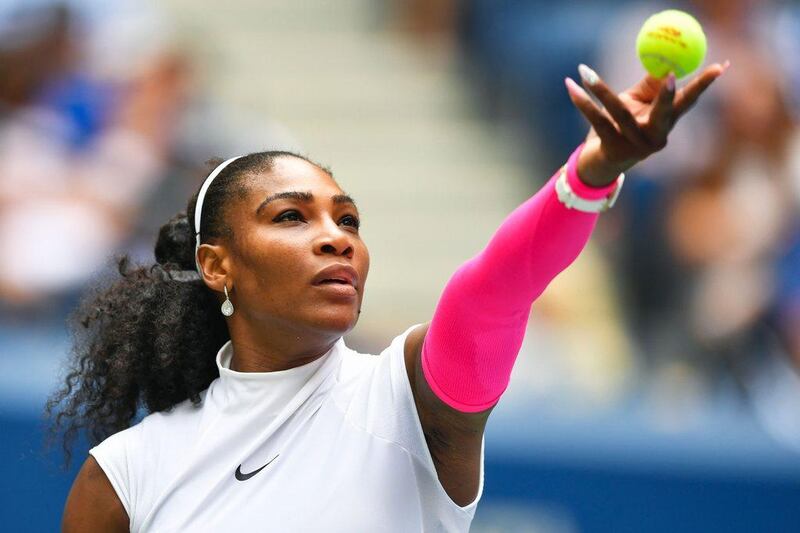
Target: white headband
(198, 208)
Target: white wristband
(572, 201)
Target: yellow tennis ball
(671, 40)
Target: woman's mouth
(337, 287)
(337, 280)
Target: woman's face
(294, 222)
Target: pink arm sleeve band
(479, 322)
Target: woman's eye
(352, 221)
(349, 220)
(288, 215)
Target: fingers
(646, 89)
(660, 121)
(597, 118)
(688, 95)
(619, 112)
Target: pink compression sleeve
(479, 322)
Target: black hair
(147, 340)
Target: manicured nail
(588, 75)
(671, 82)
(573, 87)
(725, 65)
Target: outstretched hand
(634, 124)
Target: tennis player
(260, 417)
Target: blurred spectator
(428, 20)
(79, 152)
(709, 279)
(519, 51)
(103, 135)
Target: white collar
(271, 390)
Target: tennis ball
(671, 40)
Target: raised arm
(460, 363)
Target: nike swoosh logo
(244, 477)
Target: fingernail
(588, 75)
(671, 82)
(572, 86)
(725, 65)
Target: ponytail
(146, 341)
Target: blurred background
(658, 385)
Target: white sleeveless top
(333, 445)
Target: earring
(227, 305)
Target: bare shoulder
(92, 504)
(454, 438)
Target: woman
(288, 429)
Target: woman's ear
(215, 265)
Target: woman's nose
(334, 240)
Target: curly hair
(148, 339)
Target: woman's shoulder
(356, 364)
(186, 410)
(367, 380)
(131, 456)
(174, 421)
